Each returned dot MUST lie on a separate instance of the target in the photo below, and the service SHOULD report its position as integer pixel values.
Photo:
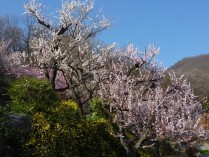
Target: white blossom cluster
(68, 40)
(8, 61)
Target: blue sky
(179, 27)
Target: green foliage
(204, 152)
(5, 83)
(30, 95)
(206, 104)
(98, 109)
(96, 105)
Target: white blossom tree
(66, 42)
(63, 51)
(143, 107)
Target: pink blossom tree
(141, 106)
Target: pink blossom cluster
(20, 71)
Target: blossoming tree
(64, 41)
(143, 107)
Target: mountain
(196, 71)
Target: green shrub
(98, 109)
(96, 105)
(31, 95)
(4, 83)
(204, 152)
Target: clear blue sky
(179, 27)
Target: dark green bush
(5, 83)
(31, 95)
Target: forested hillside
(196, 71)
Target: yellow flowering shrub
(70, 103)
(64, 132)
(42, 135)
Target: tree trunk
(53, 77)
(54, 74)
(46, 72)
(157, 149)
(81, 109)
(132, 153)
(130, 150)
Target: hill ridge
(196, 70)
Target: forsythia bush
(66, 133)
